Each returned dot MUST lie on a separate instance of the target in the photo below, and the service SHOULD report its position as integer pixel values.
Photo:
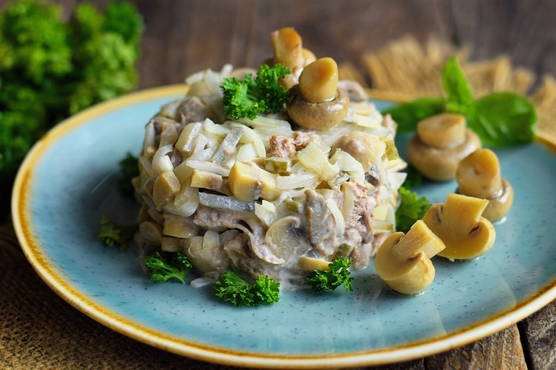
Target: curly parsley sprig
(233, 289)
(252, 96)
(337, 274)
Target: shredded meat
(281, 146)
(192, 110)
(244, 221)
(302, 139)
(320, 223)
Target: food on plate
(458, 222)
(327, 279)
(163, 269)
(478, 175)
(233, 289)
(440, 143)
(412, 208)
(243, 175)
(500, 119)
(403, 261)
(317, 103)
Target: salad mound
(276, 172)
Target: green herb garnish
(338, 274)
(500, 119)
(112, 234)
(413, 179)
(129, 170)
(233, 289)
(163, 269)
(50, 68)
(412, 208)
(250, 97)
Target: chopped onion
(227, 147)
(208, 166)
(337, 214)
(266, 212)
(188, 136)
(161, 162)
(246, 152)
(315, 160)
(212, 128)
(250, 136)
(185, 203)
(296, 181)
(225, 202)
(150, 134)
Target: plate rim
(21, 219)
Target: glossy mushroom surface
(441, 142)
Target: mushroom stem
(286, 45)
(418, 239)
(319, 81)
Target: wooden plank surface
(185, 36)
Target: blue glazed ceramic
(70, 179)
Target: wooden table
(185, 36)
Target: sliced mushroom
(317, 103)
(459, 224)
(286, 238)
(442, 141)
(403, 261)
(206, 180)
(478, 175)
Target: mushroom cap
(501, 204)
(440, 164)
(442, 130)
(478, 174)
(459, 224)
(411, 276)
(316, 116)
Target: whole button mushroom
(288, 50)
(317, 103)
(459, 224)
(440, 143)
(403, 261)
(478, 175)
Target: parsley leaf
(233, 289)
(112, 234)
(249, 97)
(412, 208)
(328, 280)
(163, 269)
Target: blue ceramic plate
(70, 178)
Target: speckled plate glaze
(70, 178)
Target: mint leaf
(503, 119)
(456, 86)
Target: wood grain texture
(184, 36)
